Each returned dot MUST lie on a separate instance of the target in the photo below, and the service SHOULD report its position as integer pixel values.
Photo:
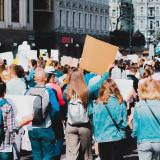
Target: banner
(125, 86)
(55, 55)
(97, 55)
(8, 56)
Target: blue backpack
(2, 132)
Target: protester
(116, 71)
(146, 121)
(109, 121)
(41, 134)
(156, 74)
(16, 85)
(30, 77)
(78, 136)
(9, 127)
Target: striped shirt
(9, 125)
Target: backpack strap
(152, 112)
(3, 102)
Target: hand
(110, 66)
(26, 120)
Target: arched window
(1, 10)
(15, 10)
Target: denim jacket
(145, 126)
(103, 126)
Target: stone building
(147, 17)
(64, 23)
(16, 22)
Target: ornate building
(68, 21)
(16, 22)
(147, 17)
(121, 15)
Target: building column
(7, 13)
(23, 13)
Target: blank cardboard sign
(97, 55)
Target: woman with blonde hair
(109, 121)
(146, 120)
(78, 135)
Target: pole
(130, 29)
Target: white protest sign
(73, 62)
(125, 86)
(23, 105)
(55, 55)
(134, 58)
(8, 56)
(23, 61)
(65, 60)
(24, 47)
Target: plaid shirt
(9, 125)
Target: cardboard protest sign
(8, 56)
(55, 55)
(125, 91)
(97, 55)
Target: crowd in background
(110, 117)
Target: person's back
(42, 136)
(8, 120)
(146, 120)
(148, 128)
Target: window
(113, 12)
(60, 18)
(141, 10)
(28, 14)
(157, 24)
(15, 10)
(106, 23)
(90, 21)
(141, 24)
(73, 19)
(157, 10)
(96, 22)
(1, 10)
(151, 25)
(79, 20)
(101, 23)
(85, 20)
(67, 19)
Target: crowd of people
(81, 108)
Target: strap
(152, 113)
(114, 122)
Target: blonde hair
(77, 86)
(106, 91)
(149, 89)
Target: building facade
(121, 15)
(16, 21)
(147, 17)
(68, 21)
